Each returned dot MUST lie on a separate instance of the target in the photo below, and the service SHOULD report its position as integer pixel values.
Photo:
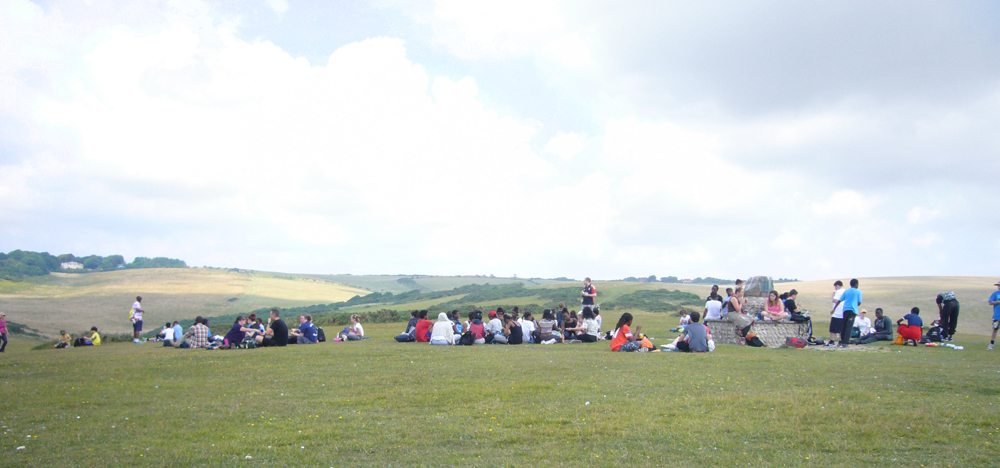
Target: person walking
(994, 301)
(851, 300)
(948, 308)
(136, 317)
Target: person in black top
(276, 333)
(882, 332)
(512, 330)
(948, 307)
(589, 292)
(715, 292)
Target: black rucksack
(320, 335)
(467, 339)
(755, 342)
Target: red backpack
(793, 342)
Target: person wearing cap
(495, 326)
(995, 302)
(863, 323)
(881, 331)
(948, 308)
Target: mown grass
(381, 403)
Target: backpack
(793, 342)
(467, 339)
(754, 342)
(798, 317)
(932, 336)
(320, 335)
(855, 332)
(248, 343)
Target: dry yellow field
(79, 301)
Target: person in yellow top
(64, 340)
(94, 340)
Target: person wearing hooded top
(477, 327)
(443, 332)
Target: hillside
(77, 302)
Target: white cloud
(848, 205)
(566, 145)
(496, 29)
(569, 49)
(926, 240)
(919, 214)
(279, 6)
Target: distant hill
(77, 302)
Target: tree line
(18, 264)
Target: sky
(531, 138)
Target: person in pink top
(774, 310)
(3, 331)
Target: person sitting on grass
(477, 327)
(600, 321)
(512, 329)
(548, 328)
(409, 334)
(162, 335)
(422, 332)
(93, 340)
(773, 308)
(622, 339)
(528, 328)
(65, 341)
(863, 323)
(685, 320)
(695, 337)
(197, 336)
(495, 327)
(570, 324)
(456, 319)
(912, 331)
(239, 332)
(306, 333)
(589, 330)
(354, 332)
(881, 330)
(443, 333)
(276, 333)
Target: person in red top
(423, 326)
(622, 338)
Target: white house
(71, 266)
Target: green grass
(380, 403)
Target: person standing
(136, 318)
(589, 293)
(851, 299)
(3, 331)
(995, 302)
(948, 308)
(837, 316)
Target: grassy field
(392, 283)
(79, 301)
(381, 403)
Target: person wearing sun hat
(995, 302)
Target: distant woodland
(18, 264)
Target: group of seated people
(245, 332)
(558, 325)
(66, 341)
